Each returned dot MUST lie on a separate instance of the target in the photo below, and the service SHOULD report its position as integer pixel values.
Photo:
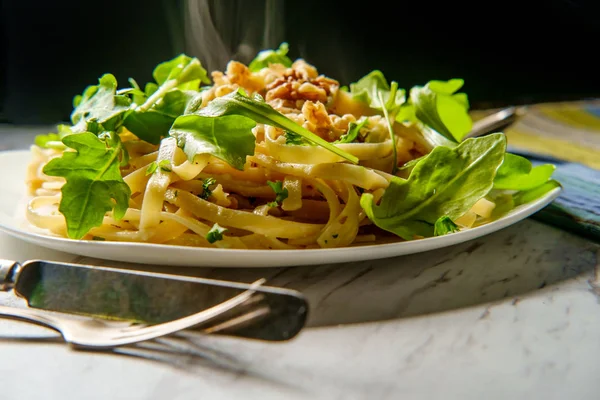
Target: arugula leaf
(228, 137)
(266, 57)
(281, 193)
(179, 81)
(174, 102)
(447, 182)
(215, 233)
(517, 173)
(149, 89)
(392, 136)
(94, 184)
(353, 131)
(443, 226)
(154, 124)
(438, 106)
(407, 112)
(181, 68)
(99, 105)
(527, 196)
(409, 165)
(49, 141)
(206, 191)
(366, 90)
(182, 72)
(150, 126)
(257, 109)
(134, 84)
(374, 90)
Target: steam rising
(217, 31)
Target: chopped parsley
(215, 233)
(295, 139)
(281, 193)
(163, 165)
(206, 190)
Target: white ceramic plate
(13, 165)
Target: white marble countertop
(513, 315)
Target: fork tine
(148, 332)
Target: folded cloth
(568, 136)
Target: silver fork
(91, 333)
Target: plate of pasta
(265, 164)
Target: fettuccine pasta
(196, 184)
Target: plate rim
(269, 256)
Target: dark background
(507, 52)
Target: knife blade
(272, 314)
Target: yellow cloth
(569, 131)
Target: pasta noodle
(286, 196)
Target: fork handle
(8, 273)
(29, 315)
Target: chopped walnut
(301, 82)
(304, 69)
(329, 85)
(219, 78)
(317, 119)
(312, 92)
(239, 74)
(284, 106)
(271, 74)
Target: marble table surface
(512, 315)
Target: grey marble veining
(517, 260)
(512, 315)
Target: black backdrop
(508, 52)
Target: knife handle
(9, 269)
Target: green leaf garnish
(99, 107)
(446, 182)
(154, 124)
(150, 126)
(530, 195)
(50, 140)
(215, 233)
(374, 90)
(443, 226)
(517, 173)
(353, 131)
(162, 165)
(438, 106)
(94, 184)
(54, 140)
(367, 88)
(228, 137)
(266, 57)
(281, 193)
(152, 168)
(206, 190)
(182, 69)
(257, 109)
(178, 80)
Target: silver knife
(273, 314)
